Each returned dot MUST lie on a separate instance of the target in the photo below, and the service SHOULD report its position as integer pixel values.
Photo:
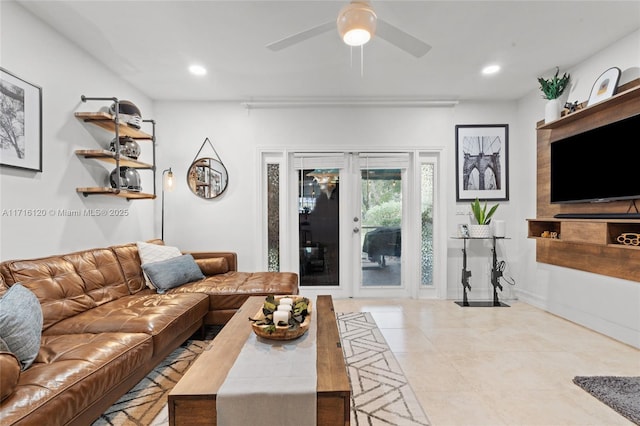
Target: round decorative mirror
(207, 178)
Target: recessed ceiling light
(197, 70)
(490, 69)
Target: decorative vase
(480, 231)
(552, 110)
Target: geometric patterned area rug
(380, 392)
(620, 393)
(142, 404)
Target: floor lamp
(167, 185)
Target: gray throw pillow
(174, 272)
(21, 323)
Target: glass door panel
(319, 226)
(426, 218)
(381, 230)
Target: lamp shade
(168, 180)
(356, 23)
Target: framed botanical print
(20, 123)
(482, 167)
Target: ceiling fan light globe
(356, 23)
(357, 37)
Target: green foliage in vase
(480, 212)
(553, 88)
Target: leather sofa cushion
(232, 257)
(101, 273)
(163, 316)
(9, 374)
(231, 290)
(130, 262)
(72, 371)
(129, 259)
(70, 284)
(213, 266)
(46, 278)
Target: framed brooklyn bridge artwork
(482, 162)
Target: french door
(354, 213)
(354, 224)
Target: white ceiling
(151, 43)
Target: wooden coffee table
(193, 400)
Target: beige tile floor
(498, 366)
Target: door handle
(356, 230)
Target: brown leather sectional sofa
(104, 330)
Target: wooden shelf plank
(616, 261)
(106, 121)
(109, 157)
(623, 95)
(129, 195)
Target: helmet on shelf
(129, 179)
(128, 113)
(128, 147)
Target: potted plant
(551, 90)
(481, 229)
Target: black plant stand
(496, 273)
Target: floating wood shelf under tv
(587, 244)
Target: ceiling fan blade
(301, 36)
(399, 38)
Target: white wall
(37, 54)
(608, 305)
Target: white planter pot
(552, 110)
(499, 229)
(480, 231)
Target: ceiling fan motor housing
(357, 23)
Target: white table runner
(271, 382)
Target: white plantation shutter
(333, 160)
(384, 161)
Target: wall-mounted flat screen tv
(598, 165)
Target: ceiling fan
(357, 23)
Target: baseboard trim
(592, 322)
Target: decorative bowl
(629, 239)
(263, 325)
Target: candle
(286, 308)
(286, 301)
(280, 316)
